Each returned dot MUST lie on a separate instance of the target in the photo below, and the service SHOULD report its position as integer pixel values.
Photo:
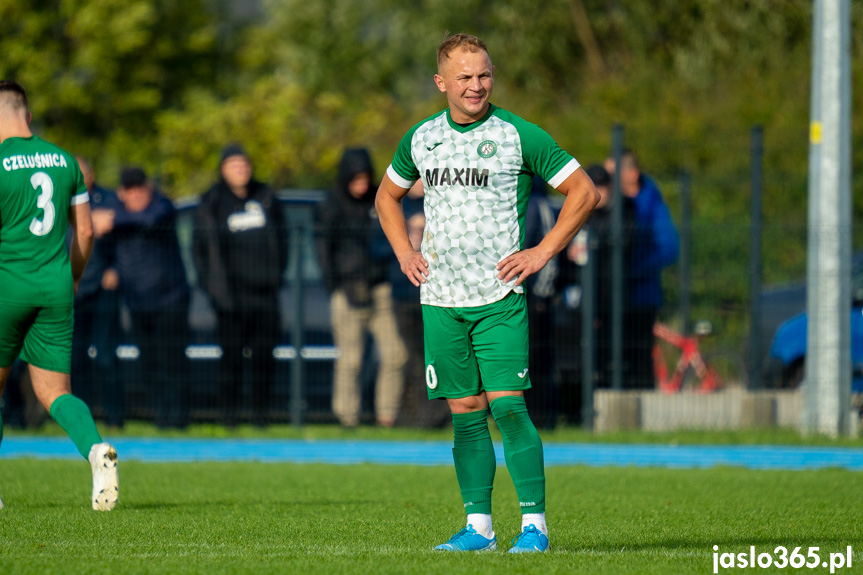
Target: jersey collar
(472, 125)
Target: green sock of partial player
(74, 417)
(475, 465)
(522, 448)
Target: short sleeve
(81, 195)
(544, 157)
(403, 170)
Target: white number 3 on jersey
(43, 201)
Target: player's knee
(467, 404)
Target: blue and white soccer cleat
(531, 540)
(468, 540)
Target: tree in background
(166, 85)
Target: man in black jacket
(240, 252)
(361, 294)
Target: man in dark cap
(240, 248)
(154, 286)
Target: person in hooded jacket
(240, 249)
(361, 295)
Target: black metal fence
(714, 299)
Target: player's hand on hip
(415, 267)
(520, 265)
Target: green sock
(74, 417)
(475, 465)
(522, 448)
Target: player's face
(467, 79)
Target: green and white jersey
(477, 181)
(38, 183)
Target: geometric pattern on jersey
(477, 181)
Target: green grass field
(287, 518)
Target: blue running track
(439, 453)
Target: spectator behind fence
(597, 234)
(94, 343)
(656, 246)
(416, 409)
(153, 284)
(540, 289)
(240, 249)
(361, 297)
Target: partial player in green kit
(42, 192)
(477, 164)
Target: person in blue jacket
(152, 281)
(656, 246)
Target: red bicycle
(694, 371)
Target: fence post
(685, 277)
(755, 263)
(299, 235)
(588, 334)
(617, 263)
(827, 406)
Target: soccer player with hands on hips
(42, 192)
(477, 163)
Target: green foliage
(98, 72)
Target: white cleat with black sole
(106, 482)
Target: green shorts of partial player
(474, 349)
(41, 336)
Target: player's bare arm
(388, 203)
(82, 239)
(581, 198)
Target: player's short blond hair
(452, 42)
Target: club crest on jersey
(487, 149)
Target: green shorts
(474, 349)
(41, 336)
